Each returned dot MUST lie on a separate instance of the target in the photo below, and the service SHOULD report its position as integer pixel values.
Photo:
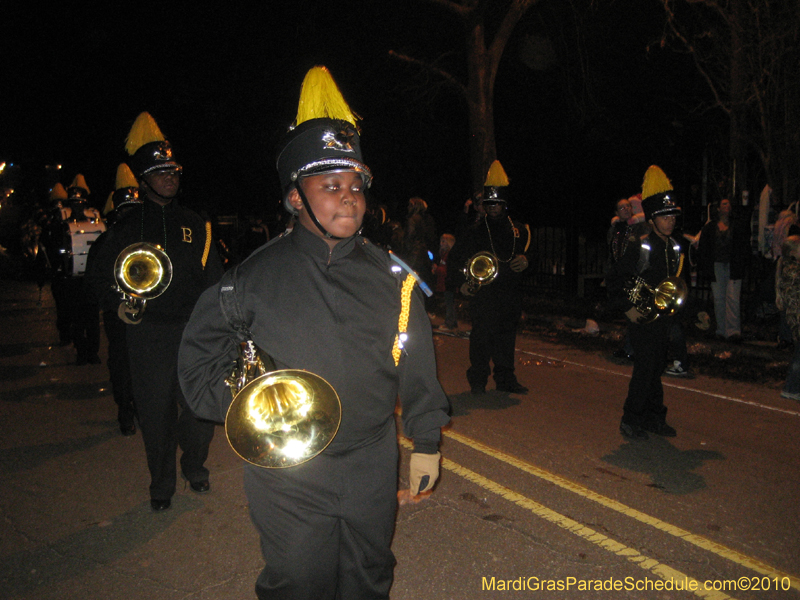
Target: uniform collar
(316, 246)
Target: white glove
(424, 471)
(634, 316)
(126, 314)
(520, 263)
(465, 290)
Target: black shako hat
(324, 137)
(148, 148)
(658, 199)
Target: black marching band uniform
(496, 307)
(653, 260)
(325, 525)
(71, 228)
(124, 197)
(153, 342)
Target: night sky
(222, 83)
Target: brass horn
(143, 271)
(665, 300)
(278, 418)
(481, 270)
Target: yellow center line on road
(660, 570)
(697, 540)
(672, 385)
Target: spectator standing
(787, 298)
(724, 252)
(446, 243)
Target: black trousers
(645, 402)
(64, 307)
(85, 326)
(326, 526)
(119, 370)
(495, 316)
(164, 419)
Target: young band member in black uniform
(495, 308)
(653, 259)
(324, 299)
(153, 340)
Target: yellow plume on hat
(496, 177)
(80, 182)
(320, 98)
(109, 206)
(143, 131)
(125, 177)
(58, 192)
(655, 182)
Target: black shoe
(478, 389)
(160, 505)
(82, 360)
(513, 388)
(128, 428)
(632, 432)
(200, 487)
(784, 345)
(622, 355)
(661, 429)
(94, 359)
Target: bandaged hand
(127, 314)
(520, 263)
(424, 471)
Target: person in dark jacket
(724, 252)
(495, 307)
(652, 259)
(153, 336)
(323, 299)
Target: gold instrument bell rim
(164, 266)
(288, 373)
(494, 266)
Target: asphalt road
(537, 491)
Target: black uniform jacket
(502, 237)
(331, 312)
(662, 261)
(181, 233)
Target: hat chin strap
(311, 214)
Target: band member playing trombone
(324, 300)
(495, 305)
(646, 284)
(181, 247)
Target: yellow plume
(497, 176)
(58, 192)
(125, 177)
(144, 130)
(655, 182)
(320, 98)
(109, 204)
(80, 182)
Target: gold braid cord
(680, 265)
(405, 309)
(207, 249)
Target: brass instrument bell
(481, 269)
(278, 418)
(143, 271)
(665, 300)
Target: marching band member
(324, 299)
(653, 258)
(154, 338)
(495, 308)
